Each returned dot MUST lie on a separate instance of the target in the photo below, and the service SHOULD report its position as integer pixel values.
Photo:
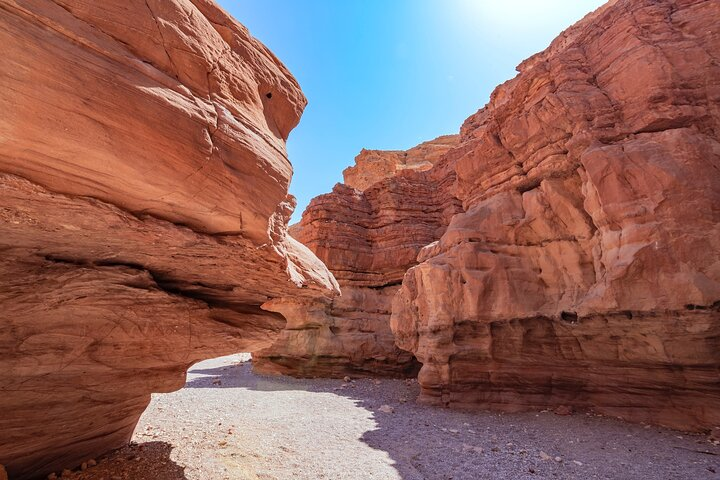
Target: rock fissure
(163, 44)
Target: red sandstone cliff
(368, 239)
(584, 266)
(143, 193)
(585, 269)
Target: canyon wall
(585, 268)
(143, 213)
(562, 252)
(368, 232)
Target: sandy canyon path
(228, 423)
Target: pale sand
(228, 423)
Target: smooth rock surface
(143, 213)
(585, 268)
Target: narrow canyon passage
(556, 250)
(229, 423)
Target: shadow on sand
(430, 443)
(146, 460)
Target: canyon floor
(229, 423)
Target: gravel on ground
(229, 423)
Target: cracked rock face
(368, 239)
(585, 268)
(143, 213)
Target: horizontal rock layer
(143, 213)
(585, 268)
(368, 239)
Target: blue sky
(389, 74)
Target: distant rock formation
(585, 269)
(143, 213)
(371, 166)
(368, 239)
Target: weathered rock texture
(371, 166)
(585, 269)
(368, 239)
(143, 213)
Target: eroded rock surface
(371, 166)
(585, 268)
(143, 213)
(368, 239)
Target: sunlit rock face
(371, 166)
(585, 268)
(368, 239)
(143, 213)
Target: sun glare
(517, 13)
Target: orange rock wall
(582, 264)
(368, 239)
(585, 268)
(143, 213)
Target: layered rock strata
(585, 268)
(143, 213)
(368, 239)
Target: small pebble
(386, 409)
(470, 448)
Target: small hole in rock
(268, 95)
(570, 317)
